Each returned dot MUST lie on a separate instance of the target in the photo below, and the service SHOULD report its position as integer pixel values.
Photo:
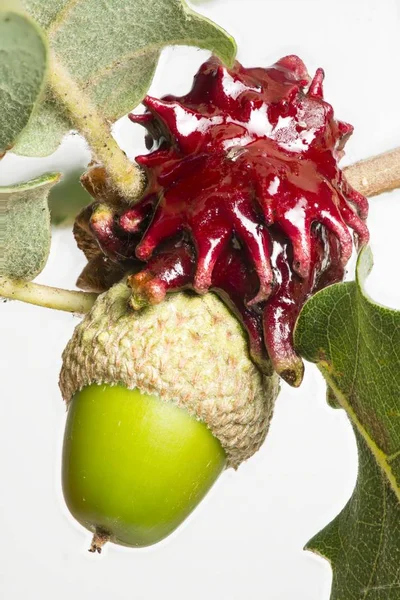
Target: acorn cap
(189, 350)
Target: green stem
(46, 296)
(125, 175)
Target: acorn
(160, 401)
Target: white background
(246, 538)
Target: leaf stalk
(46, 296)
(125, 175)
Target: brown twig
(375, 175)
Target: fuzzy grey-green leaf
(110, 50)
(23, 64)
(25, 232)
(356, 344)
(45, 130)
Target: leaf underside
(110, 49)
(356, 345)
(23, 64)
(25, 232)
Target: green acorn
(160, 402)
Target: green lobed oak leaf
(25, 232)
(23, 64)
(363, 542)
(109, 51)
(356, 345)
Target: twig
(375, 175)
(46, 296)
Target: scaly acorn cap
(189, 350)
